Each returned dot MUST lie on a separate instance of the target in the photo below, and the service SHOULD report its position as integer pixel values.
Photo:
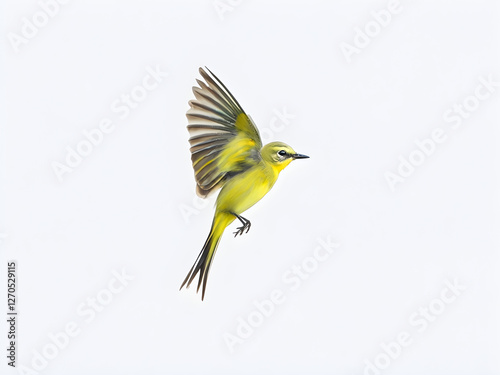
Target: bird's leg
(246, 225)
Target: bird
(227, 154)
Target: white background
(121, 208)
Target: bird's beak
(300, 156)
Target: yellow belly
(244, 190)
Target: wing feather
(224, 140)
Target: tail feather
(204, 260)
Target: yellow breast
(244, 190)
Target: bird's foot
(246, 226)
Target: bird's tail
(206, 256)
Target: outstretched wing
(224, 139)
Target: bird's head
(279, 154)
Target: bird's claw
(241, 229)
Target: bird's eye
(281, 152)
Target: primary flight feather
(227, 153)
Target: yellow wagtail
(227, 153)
